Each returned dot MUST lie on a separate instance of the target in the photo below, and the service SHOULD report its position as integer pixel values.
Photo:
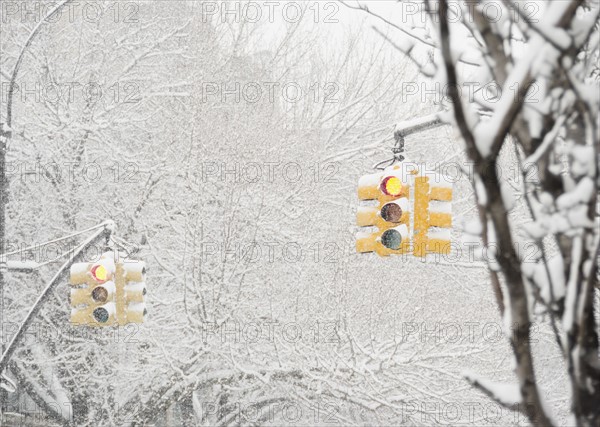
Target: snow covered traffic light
(386, 213)
(134, 291)
(108, 293)
(93, 293)
(433, 215)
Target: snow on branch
(506, 394)
(490, 135)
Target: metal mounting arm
(408, 128)
(420, 124)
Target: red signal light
(391, 186)
(99, 273)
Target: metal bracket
(397, 152)
(404, 129)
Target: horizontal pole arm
(419, 124)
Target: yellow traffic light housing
(134, 292)
(106, 293)
(386, 194)
(93, 293)
(432, 224)
(385, 212)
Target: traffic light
(93, 293)
(432, 222)
(134, 291)
(386, 195)
(107, 293)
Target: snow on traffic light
(432, 215)
(106, 292)
(93, 293)
(385, 211)
(134, 291)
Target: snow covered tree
(178, 134)
(521, 81)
